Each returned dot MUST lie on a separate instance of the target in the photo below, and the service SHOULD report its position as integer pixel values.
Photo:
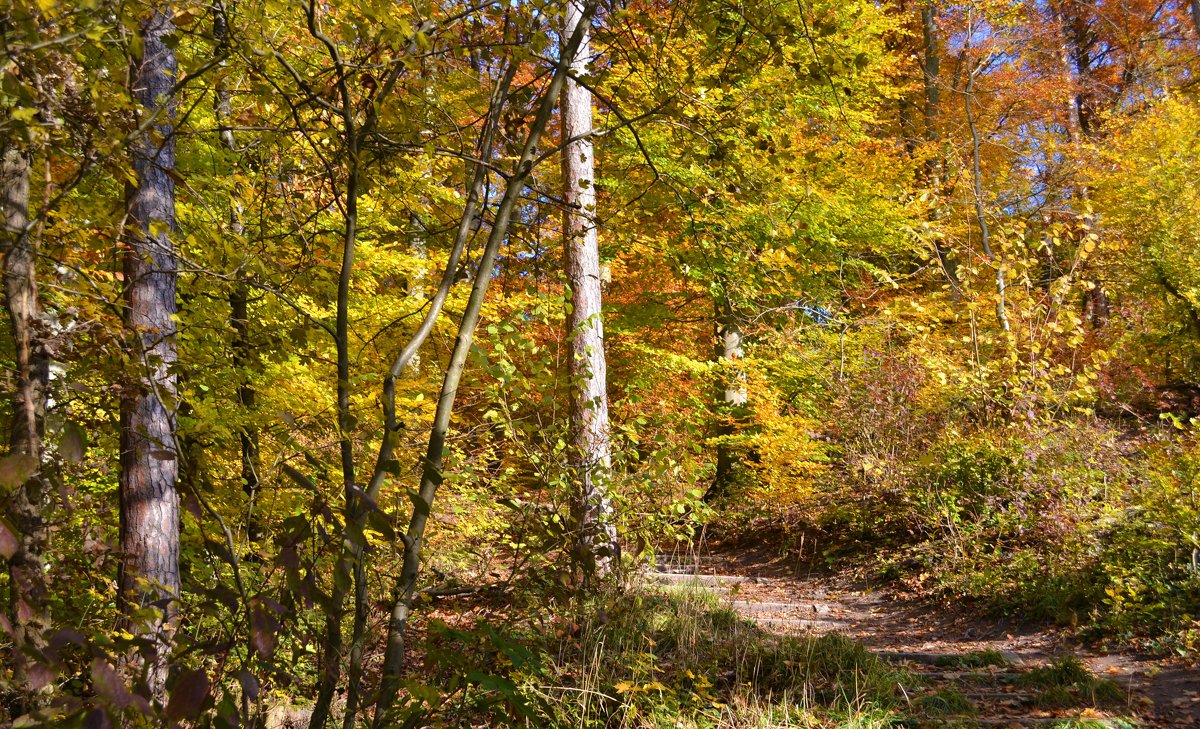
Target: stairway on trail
(985, 677)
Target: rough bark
(28, 591)
(431, 473)
(591, 450)
(149, 514)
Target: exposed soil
(945, 646)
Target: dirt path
(968, 669)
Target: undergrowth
(652, 658)
(1087, 523)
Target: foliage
(1005, 416)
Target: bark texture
(149, 573)
(28, 606)
(591, 450)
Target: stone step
(748, 606)
(931, 659)
(827, 626)
(672, 578)
(1024, 721)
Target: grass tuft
(1068, 682)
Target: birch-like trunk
(149, 529)
(591, 451)
(28, 592)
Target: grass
(945, 702)
(976, 660)
(1068, 682)
(679, 657)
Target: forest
(600, 363)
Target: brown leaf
(8, 540)
(109, 685)
(262, 631)
(97, 719)
(16, 469)
(74, 443)
(189, 695)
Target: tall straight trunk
(431, 472)
(935, 168)
(591, 451)
(28, 592)
(1195, 5)
(149, 528)
(349, 567)
(931, 68)
(898, 43)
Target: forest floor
(967, 668)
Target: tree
(431, 466)
(591, 450)
(25, 539)
(148, 579)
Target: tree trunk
(931, 69)
(1070, 79)
(977, 183)
(431, 472)
(590, 452)
(935, 168)
(28, 592)
(239, 297)
(149, 528)
(1076, 60)
(731, 392)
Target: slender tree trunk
(977, 185)
(239, 297)
(1195, 4)
(590, 452)
(349, 566)
(731, 391)
(28, 591)
(898, 43)
(935, 168)
(1076, 60)
(1070, 79)
(149, 529)
(431, 474)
